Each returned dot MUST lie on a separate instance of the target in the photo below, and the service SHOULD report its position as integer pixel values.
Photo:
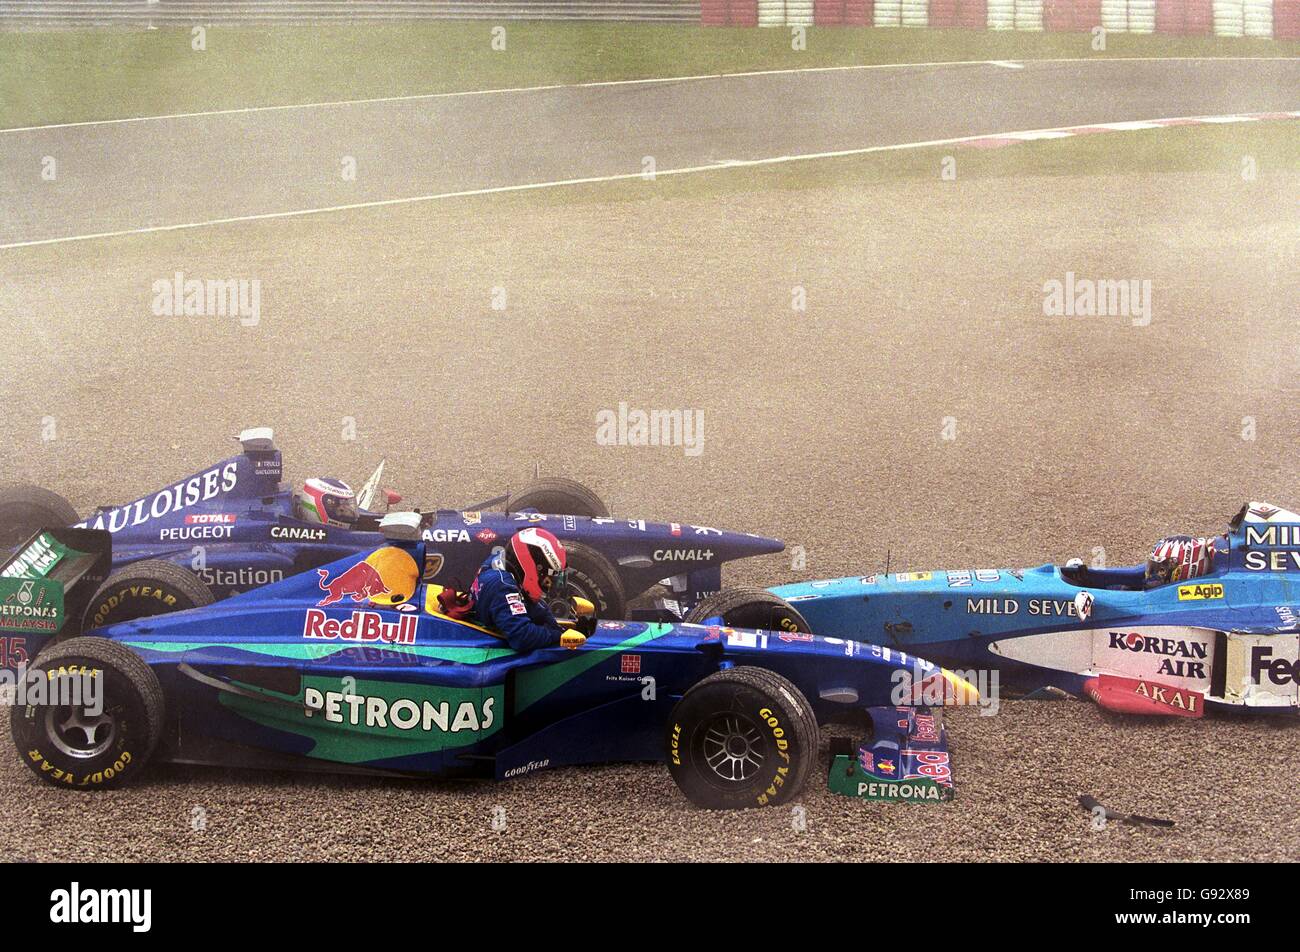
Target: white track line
(1013, 64)
(1027, 134)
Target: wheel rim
(78, 733)
(733, 747)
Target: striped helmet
(536, 559)
(1179, 558)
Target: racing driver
(330, 502)
(1179, 558)
(509, 593)
(1172, 559)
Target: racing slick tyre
(744, 737)
(63, 742)
(149, 587)
(560, 496)
(749, 608)
(590, 576)
(25, 509)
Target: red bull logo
(387, 576)
(361, 582)
(361, 626)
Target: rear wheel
(150, 587)
(25, 509)
(101, 718)
(590, 576)
(749, 608)
(744, 737)
(555, 494)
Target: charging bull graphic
(386, 577)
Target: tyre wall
(1230, 18)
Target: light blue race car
(1206, 623)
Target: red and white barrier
(1258, 17)
(1265, 18)
(1002, 14)
(1185, 17)
(1029, 15)
(943, 14)
(973, 14)
(1286, 19)
(841, 12)
(729, 12)
(887, 13)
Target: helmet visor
(341, 508)
(1159, 572)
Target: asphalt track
(824, 427)
(121, 176)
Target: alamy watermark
(1094, 297)
(78, 905)
(633, 427)
(936, 687)
(180, 296)
(72, 687)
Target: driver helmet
(536, 559)
(328, 501)
(1179, 558)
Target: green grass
(103, 74)
(1212, 149)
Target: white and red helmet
(330, 502)
(536, 559)
(1179, 558)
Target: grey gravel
(822, 428)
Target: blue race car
(1134, 640)
(236, 525)
(366, 674)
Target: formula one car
(368, 675)
(1228, 638)
(233, 527)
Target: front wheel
(99, 719)
(744, 737)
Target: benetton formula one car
(370, 676)
(1227, 639)
(233, 527)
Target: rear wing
(44, 587)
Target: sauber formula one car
(1228, 638)
(367, 675)
(233, 527)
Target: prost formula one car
(233, 527)
(1229, 639)
(368, 675)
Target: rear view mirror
(1083, 605)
